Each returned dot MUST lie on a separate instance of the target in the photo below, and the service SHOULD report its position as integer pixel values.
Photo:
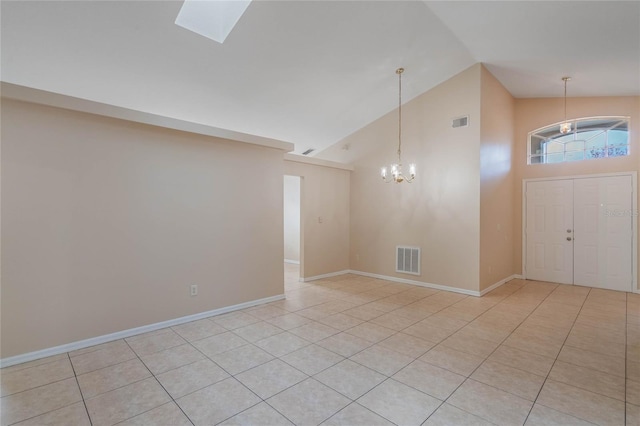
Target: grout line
(55, 409)
(556, 358)
(80, 389)
(468, 322)
(626, 331)
(109, 366)
(232, 376)
(414, 358)
(344, 358)
(330, 296)
(492, 352)
(21, 367)
(37, 387)
(357, 403)
(157, 381)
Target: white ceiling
(313, 72)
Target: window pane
(555, 158)
(618, 143)
(592, 134)
(564, 138)
(553, 147)
(536, 159)
(536, 145)
(618, 151)
(574, 156)
(591, 138)
(574, 146)
(595, 146)
(618, 137)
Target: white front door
(603, 232)
(549, 231)
(580, 231)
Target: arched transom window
(589, 138)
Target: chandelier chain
(565, 98)
(565, 127)
(399, 71)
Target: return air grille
(460, 122)
(408, 260)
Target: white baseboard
(499, 283)
(437, 286)
(418, 283)
(81, 344)
(329, 275)
(293, 262)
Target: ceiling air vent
(460, 122)
(309, 151)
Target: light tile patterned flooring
(357, 351)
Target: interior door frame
(301, 218)
(634, 223)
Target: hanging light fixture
(394, 173)
(565, 127)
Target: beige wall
(532, 114)
(496, 182)
(106, 224)
(439, 211)
(324, 218)
(101, 215)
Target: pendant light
(395, 169)
(565, 127)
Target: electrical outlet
(194, 290)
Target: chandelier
(394, 172)
(565, 127)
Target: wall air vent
(309, 151)
(408, 260)
(460, 122)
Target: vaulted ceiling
(313, 72)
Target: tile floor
(357, 351)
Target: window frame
(550, 133)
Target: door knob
(568, 231)
(568, 238)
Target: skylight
(213, 19)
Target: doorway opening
(293, 255)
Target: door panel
(603, 232)
(549, 215)
(587, 254)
